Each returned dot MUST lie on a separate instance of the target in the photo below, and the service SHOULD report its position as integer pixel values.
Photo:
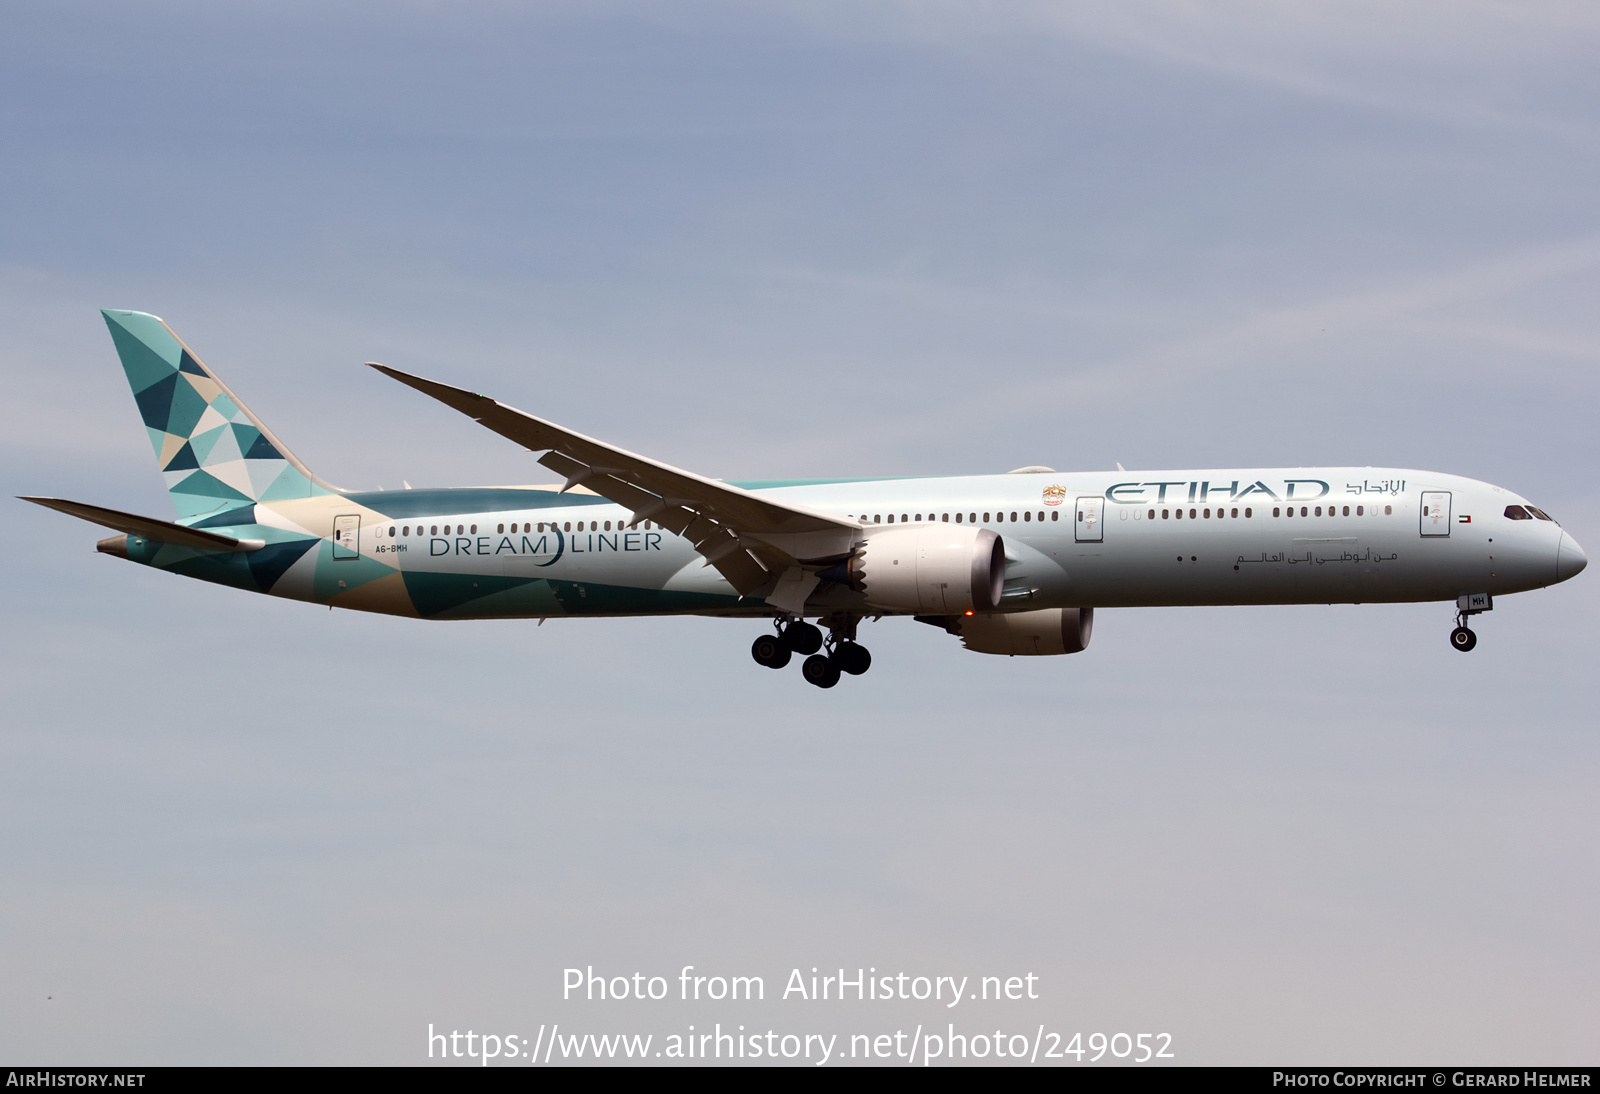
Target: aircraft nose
(1570, 559)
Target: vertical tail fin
(215, 455)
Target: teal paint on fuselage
(462, 501)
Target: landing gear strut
(843, 654)
(1467, 606)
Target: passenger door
(1088, 527)
(347, 536)
(1435, 513)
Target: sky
(800, 240)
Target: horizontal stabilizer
(148, 528)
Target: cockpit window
(1517, 512)
(1542, 515)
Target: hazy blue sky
(801, 240)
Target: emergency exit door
(347, 536)
(1435, 513)
(1088, 526)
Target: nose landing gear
(1467, 606)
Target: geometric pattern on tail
(213, 452)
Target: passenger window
(1029, 516)
(1207, 513)
(1055, 514)
(1361, 510)
(1274, 511)
(945, 518)
(1191, 514)
(568, 527)
(1234, 514)
(891, 518)
(433, 529)
(406, 531)
(1152, 514)
(1247, 512)
(958, 518)
(902, 518)
(1318, 512)
(474, 529)
(1388, 510)
(1164, 513)
(1346, 512)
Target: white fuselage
(1278, 536)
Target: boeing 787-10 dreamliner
(1010, 564)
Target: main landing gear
(842, 654)
(1467, 606)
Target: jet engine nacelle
(933, 569)
(1045, 631)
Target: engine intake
(935, 569)
(1036, 633)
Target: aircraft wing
(162, 531)
(753, 541)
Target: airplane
(1011, 564)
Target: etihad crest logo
(1055, 494)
